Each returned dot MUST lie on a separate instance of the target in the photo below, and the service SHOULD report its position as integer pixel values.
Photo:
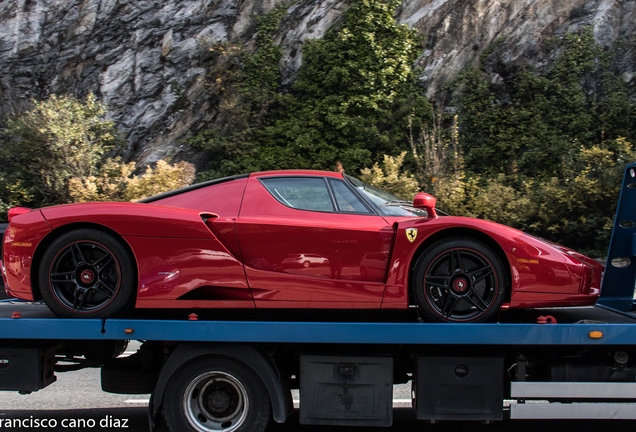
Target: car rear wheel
(216, 395)
(459, 280)
(87, 273)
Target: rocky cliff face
(459, 31)
(142, 56)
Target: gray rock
(136, 54)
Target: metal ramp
(617, 289)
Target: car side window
(346, 200)
(303, 193)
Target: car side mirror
(425, 202)
(16, 211)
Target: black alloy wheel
(87, 273)
(459, 280)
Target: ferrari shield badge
(411, 234)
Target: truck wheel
(216, 395)
(87, 273)
(458, 280)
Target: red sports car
(285, 239)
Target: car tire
(216, 394)
(87, 273)
(459, 280)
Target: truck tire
(216, 394)
(87, 273)
(458, 280)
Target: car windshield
(389, 205)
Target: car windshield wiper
(397, 203)
(400, 203)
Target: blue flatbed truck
(214, 373)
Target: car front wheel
(458, 280)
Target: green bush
(550, 158)
(56, 154)
(116, 181)
(390, 179)
(42, 149)
(577, 103)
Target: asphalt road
(135, 419)
(76, 403)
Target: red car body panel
(540, 273)
(273, 236)
(227, 205)
(20, 242)
(131, 219)
(233, 245)
(171, 269)
(174, 250)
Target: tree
(348, 102)
(56, 153)
(349, 90)
(60, 138)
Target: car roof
(297, 173)
(240, 176)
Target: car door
(305, 241)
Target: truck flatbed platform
(574, 328)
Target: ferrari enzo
(285, 239)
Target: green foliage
(349, 91)
(12, 195)
(181, 100)
(116, 181)
(550, 116)
(497, 201)
(363, 67)
(580, 206)
(390, 179)
(42, 149)
(242, 86)
(573, 209)
(351, 100)
(56, 153)
(261, 68)
(550, 160)
(490, 49)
